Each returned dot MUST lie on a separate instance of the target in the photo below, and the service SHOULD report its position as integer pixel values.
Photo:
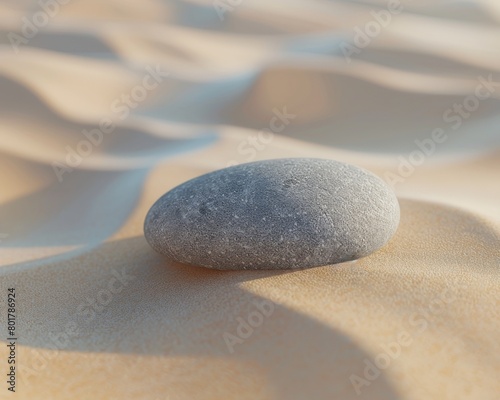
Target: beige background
(159, 334)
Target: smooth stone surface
(274, 214)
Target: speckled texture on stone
(274, 214)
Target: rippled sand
(175, 91)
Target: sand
(166, 91)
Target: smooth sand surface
(102, 316)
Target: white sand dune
(217, 82)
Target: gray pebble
(275, 214)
